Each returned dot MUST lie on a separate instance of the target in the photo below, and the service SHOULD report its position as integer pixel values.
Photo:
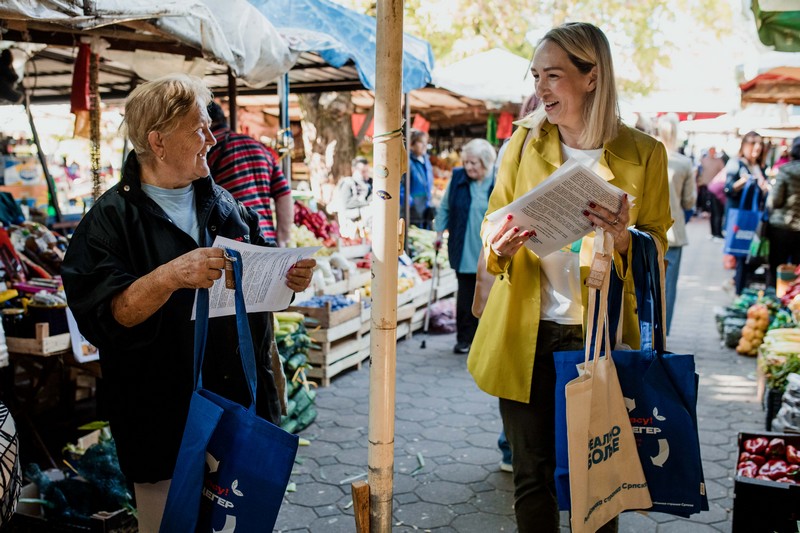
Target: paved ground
(443, 416)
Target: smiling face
(562, 89)
(752, 148)
(474, 167)
(184, 150)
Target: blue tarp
(339, 34)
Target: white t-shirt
(560, 270)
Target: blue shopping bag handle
(751, 195)
(647, 281)
(246, 350)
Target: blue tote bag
(742, 222)
(233, 466)
(660, 391)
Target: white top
(179, 206)
(560, 270)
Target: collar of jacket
(206, 192)
(622, 147)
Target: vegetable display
(293, 345)
(769, 460)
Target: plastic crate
(765, 506)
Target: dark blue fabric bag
(660, 391)
(233, 466)
(742, 222)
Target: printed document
(263, 278)
(554, 208)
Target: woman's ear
(156, 142)
(592, 85)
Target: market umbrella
(339, 35)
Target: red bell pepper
(763, 478)
(756, 446)
(747, 469)
(774, 468)
(776, 448)
(757, 459)
(792, 455)
(793, 471)
(787, 480)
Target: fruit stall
(765, 324)
(336, 307)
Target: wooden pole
(51, 184)
(389, 157)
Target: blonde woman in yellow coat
(538, 305)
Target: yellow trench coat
(502, 355)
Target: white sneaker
(506, 467)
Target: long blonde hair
(587, 47)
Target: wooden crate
(326, 316)
(325, 336)
(42, 344)
(338, 356)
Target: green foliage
(642, 32)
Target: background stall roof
(233, 33)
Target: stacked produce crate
(294, 344)
(336, 329)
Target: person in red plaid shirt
(251, 172)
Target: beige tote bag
(605, 473)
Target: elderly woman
(461, 213)
(537, 305)
(130, 275)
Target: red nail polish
(592, 205)
(534, 232)
(509, 217)
(585, 213)
(516, 230)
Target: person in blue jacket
(421, 174)
(461, 214)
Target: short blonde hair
(158, 105)
(587, 47)
(483, 150)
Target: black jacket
(147, 369)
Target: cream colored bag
(605, 473)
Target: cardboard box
(768, 506)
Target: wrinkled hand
(299, 276)
(509, 238)
(615, 224)
(197, 269)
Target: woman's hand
(615, 224)
(299, 276)
(509, 238)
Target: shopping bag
(742, 222)
(605, 474)
(660, 390)
(233, 466)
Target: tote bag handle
(597, 320)
(246, 350)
